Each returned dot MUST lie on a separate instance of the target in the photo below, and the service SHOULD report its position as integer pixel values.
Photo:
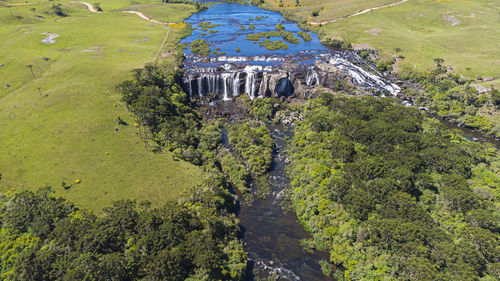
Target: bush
(495, 97)
(337, 44)
(58, 11)
(262, 109)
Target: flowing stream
(272, 236)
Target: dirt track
(89, 6)
(358, 13)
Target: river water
(272, 236)
(230, 17)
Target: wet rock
(284, 88)
(287, 79)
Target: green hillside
(59, 121)
(463, 33)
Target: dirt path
(141, 15)
(358, 13)
(89, 6)
(162, 46)
(19, 4)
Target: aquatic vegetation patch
(207, 24)
(305, 35)
(200, 47)
(267, 34)
(290, 37)
(273, 45)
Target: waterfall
(200, 86)
(211, 83)
(249, 84)
(312, 78)
(251, 70)
(362, 76)
(226, 78)
(228, 81)
(189, 86)
(261, 86)
(236, 85)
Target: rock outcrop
(226, 80)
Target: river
(273, 236)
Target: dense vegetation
(389, 193)
(162, 107)
(336, 44)
(290, 37)
(47, 238)
(253, 145)
(273, 45)
(448, 95)
(200, 47)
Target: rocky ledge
(227, 78)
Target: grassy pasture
(163, 12)
(465, 33)
(328, 9)
(68, 131)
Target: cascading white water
(312, 78)
(236, 85)
(211, 84)
(190, 87)
(261, 86)
(251, 70)
(249, 85)
(200, 86)
(226, 79)
(362, 76)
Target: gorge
(238, 66)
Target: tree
(438, 62)
(58, 11)
(30, 66)
(397, 50)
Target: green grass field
(328, 9)
(465, 33)
(68, 132)
(175, 12)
